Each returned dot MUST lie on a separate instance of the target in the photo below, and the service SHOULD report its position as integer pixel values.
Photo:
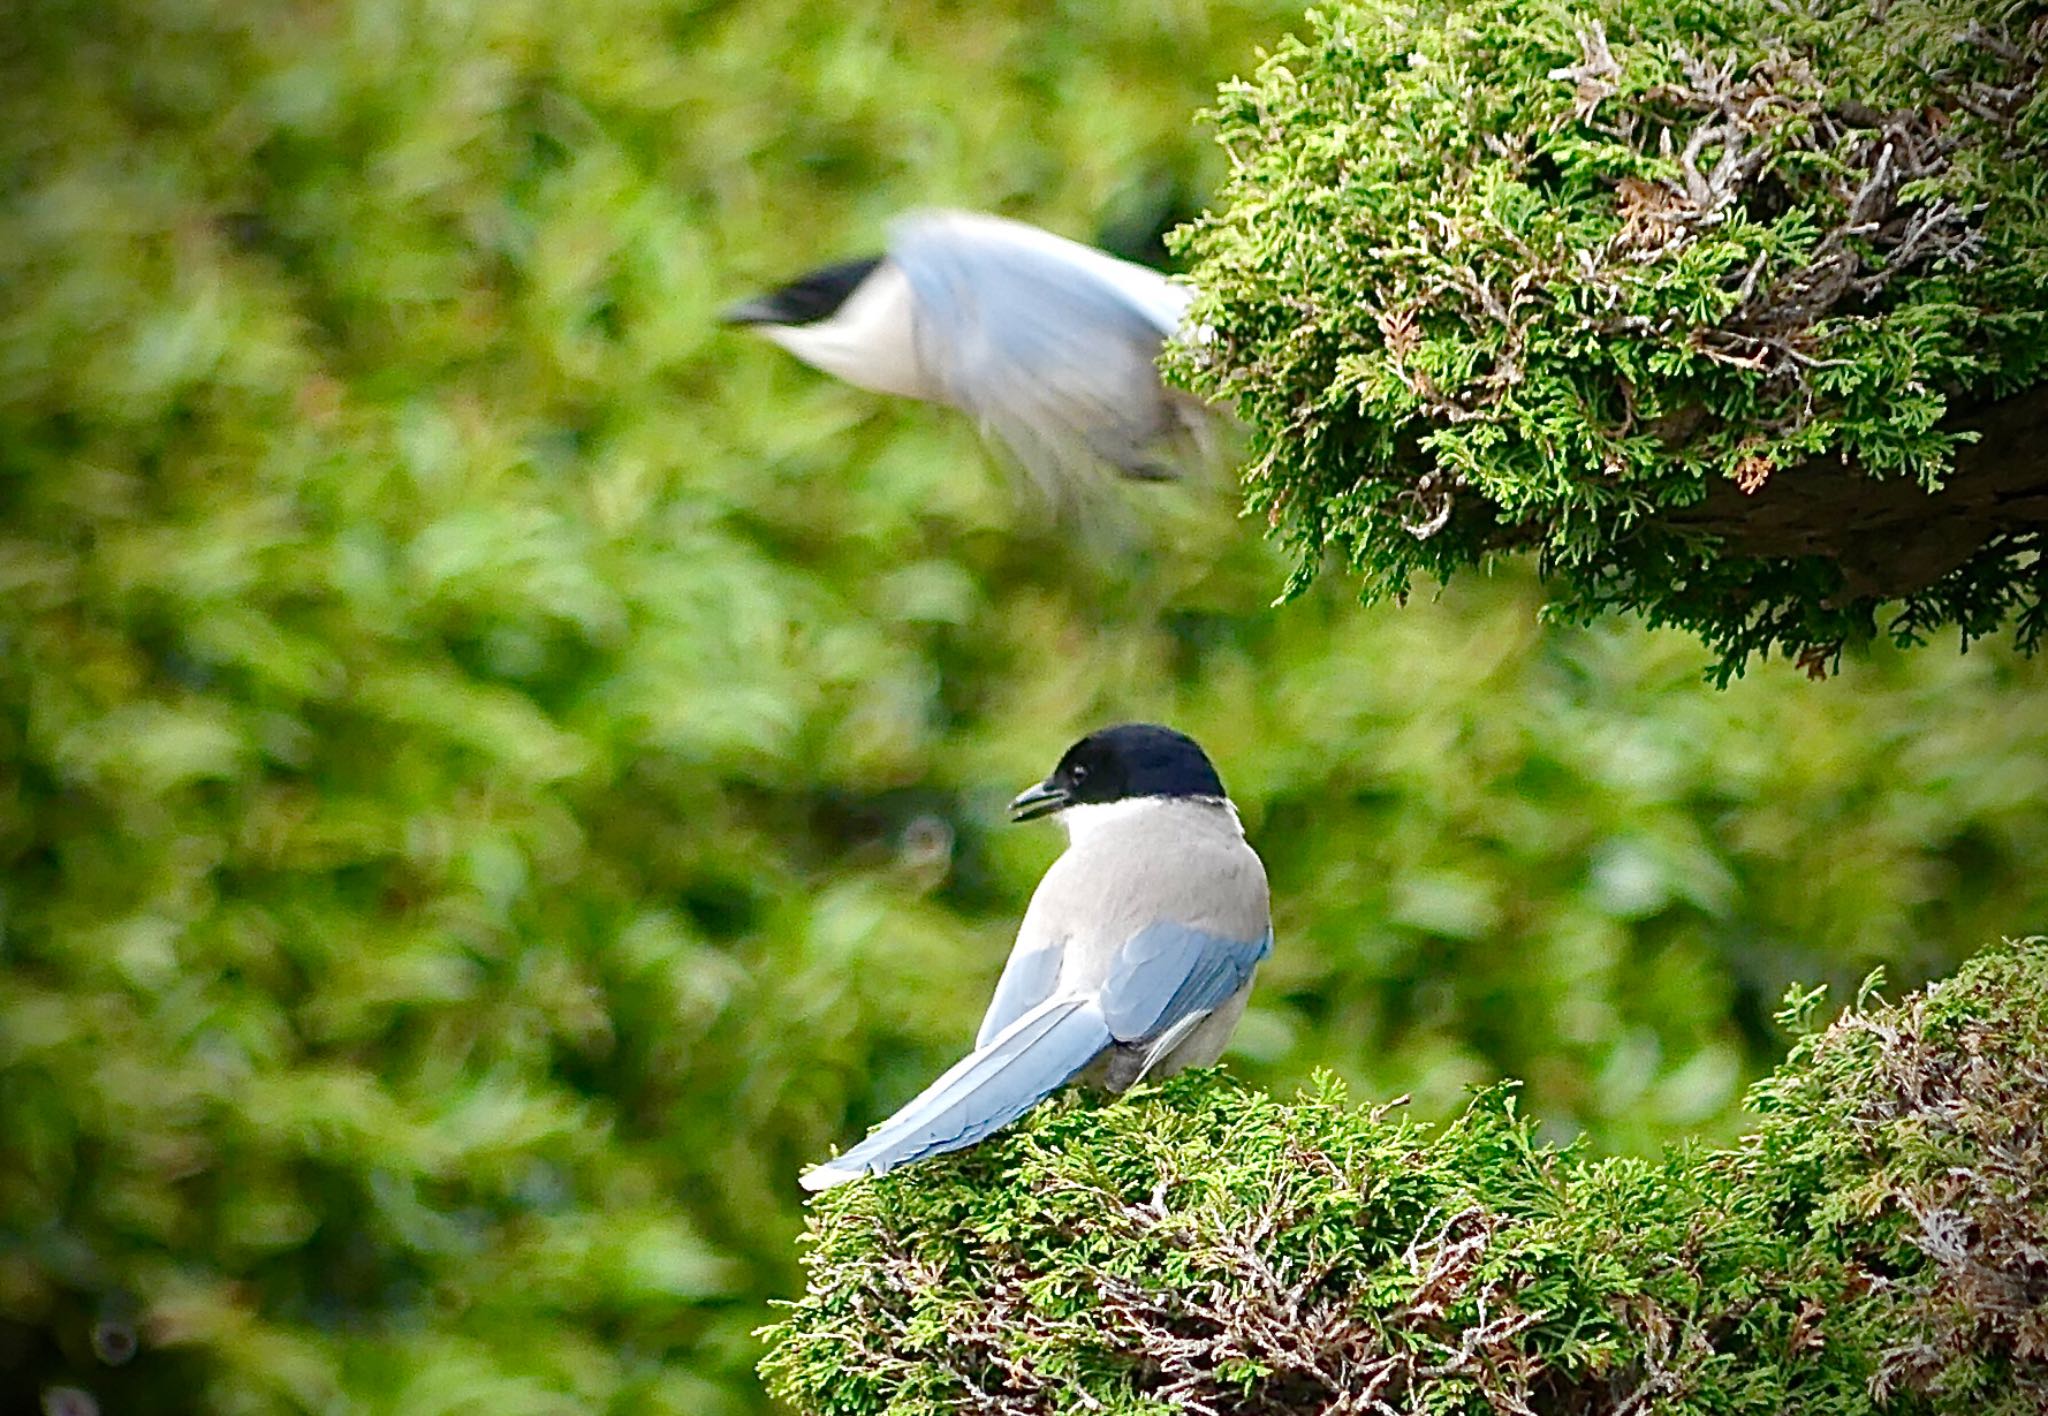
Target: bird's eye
(1078, 773)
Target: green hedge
(1881, 1239)
(1494, 275)
(496, 774)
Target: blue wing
(1026, 982)
(1163, 978)
(1167, 973)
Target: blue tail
(981, 1093)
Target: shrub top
(1501, 274)
(1198, 1246)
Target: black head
(805, 300)
(1115, 764)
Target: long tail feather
(981, 1093)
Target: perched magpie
(1050, 345)
(1134, 959)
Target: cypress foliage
(1693, 299)
(1877, 1240)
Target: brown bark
(1893, 537)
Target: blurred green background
(496, 772)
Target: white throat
(870, 341)
(1088, 819)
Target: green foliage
(1498, 274)
(1198, 1246)
(496, 774)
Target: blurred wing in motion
(1052, 346)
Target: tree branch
(1893, 537)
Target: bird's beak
(1034, 802)
(759, 310)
